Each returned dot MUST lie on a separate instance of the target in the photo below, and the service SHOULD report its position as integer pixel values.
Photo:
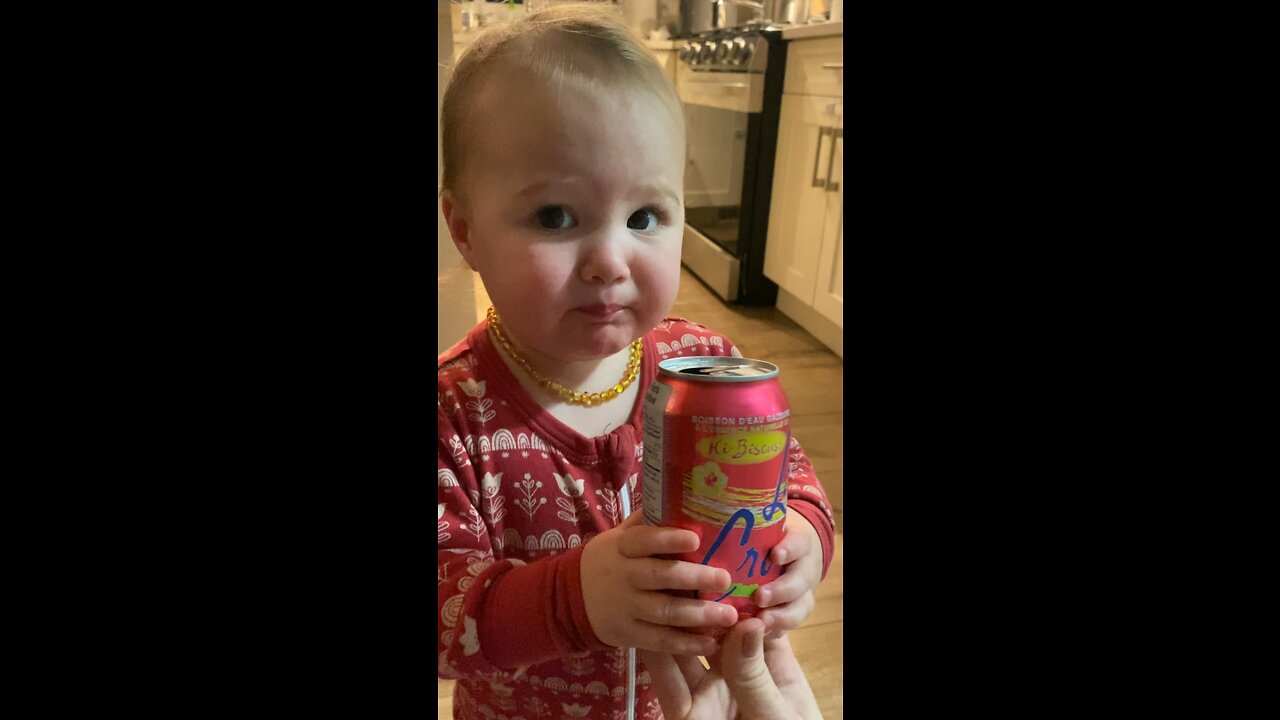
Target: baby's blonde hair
(563, 44)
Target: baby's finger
(646, 540)
(788, 587)
(663, 609)
(672, 641)
(789, 616)
(635, 518)
(658, 574)
(793, 545)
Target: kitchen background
(764, 236)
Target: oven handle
(817, 155)
(836, 134)
(732, 91)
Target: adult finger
(646, 540)
(790, 679)
(742, 663)
(670, 682)
(782, 663)
(659, 574)
(691, 668)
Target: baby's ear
(459, 229)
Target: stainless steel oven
(730, 86)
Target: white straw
(631, 652)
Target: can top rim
(718, 369)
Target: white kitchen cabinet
(805, 250)
(815, 67)
(828, 295)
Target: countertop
(799, 32)
(793, 33)
(465, 38)
(815, 30)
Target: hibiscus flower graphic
(709, 480)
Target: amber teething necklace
(577, 398)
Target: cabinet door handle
(833, 66)
(817, 155)
(836, 134)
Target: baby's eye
(645, 219)
(554, 217)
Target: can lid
(718, 369)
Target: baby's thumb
(742, 664)
(632, 520)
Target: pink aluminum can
(716, 435)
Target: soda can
(716, 438)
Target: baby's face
(574, 201)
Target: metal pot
(725, 13)
(695, 17)
(786, 12)
(700, 15)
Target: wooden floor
(813, 378)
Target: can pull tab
(724, 370)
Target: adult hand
(765, 677)
(750, 678)
(788, 601)
(623, 584)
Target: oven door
(717, 108)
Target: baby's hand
(622, 586)
(789, 599)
